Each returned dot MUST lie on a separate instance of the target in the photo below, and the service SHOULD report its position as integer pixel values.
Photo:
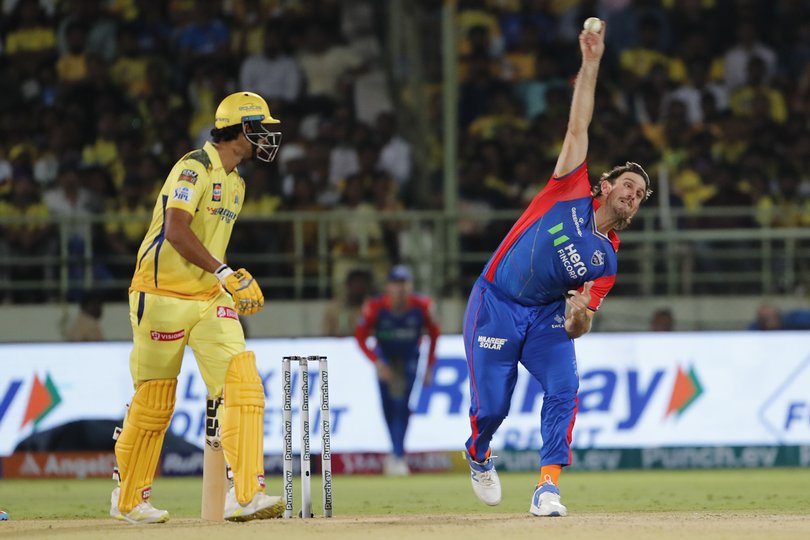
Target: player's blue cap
(399, 273)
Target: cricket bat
(215, 484)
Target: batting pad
(242, 425)
(138, 447)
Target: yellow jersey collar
(213, 155)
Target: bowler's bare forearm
(584, 96)
(575, 145)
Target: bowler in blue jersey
(540, 290)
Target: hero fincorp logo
(42, 399)
(569, 256)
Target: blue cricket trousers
(499, 333)
(395, 406)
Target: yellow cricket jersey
(199, 185)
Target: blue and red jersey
(398, 332)
(554, 246)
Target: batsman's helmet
(251, 112)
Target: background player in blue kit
(562, 250)
(397, 320)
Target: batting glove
(247, 296)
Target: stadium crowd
(100, 97)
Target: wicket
(326, 448)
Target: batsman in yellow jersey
(183, 293)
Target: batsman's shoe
(485, 481)
(546, 502)
(141, 514)
(261, 506)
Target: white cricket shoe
(485, 481)
(261, 506)
(395, 466)
(546, 502)
(141, 514)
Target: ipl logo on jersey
(182, 193)
(216, 195)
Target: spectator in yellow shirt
(128, 72)
(126, 231)
(30, 235)
(744, 98)
(32, 41)
(71, 67)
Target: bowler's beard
(623, 224)
(624, 215)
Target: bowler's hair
(619, 170)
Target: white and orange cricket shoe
(546, 501)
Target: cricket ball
(592, 24)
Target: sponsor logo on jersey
(167, 336)
(226, 313)
(216, 195)
(559, 321)
(569, 256)
(598, 258)
(182, 193)
(236, 200)
(188, 175)
(494, 343)
(561, 238)
(577, 220)
(572, 261)
(224, 214)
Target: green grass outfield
(771, 491)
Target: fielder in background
(397, 320)
(183, 293)
(561, 251)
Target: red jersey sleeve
(426, 307)
(368, 319)
(599, 290)
(572, 185)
